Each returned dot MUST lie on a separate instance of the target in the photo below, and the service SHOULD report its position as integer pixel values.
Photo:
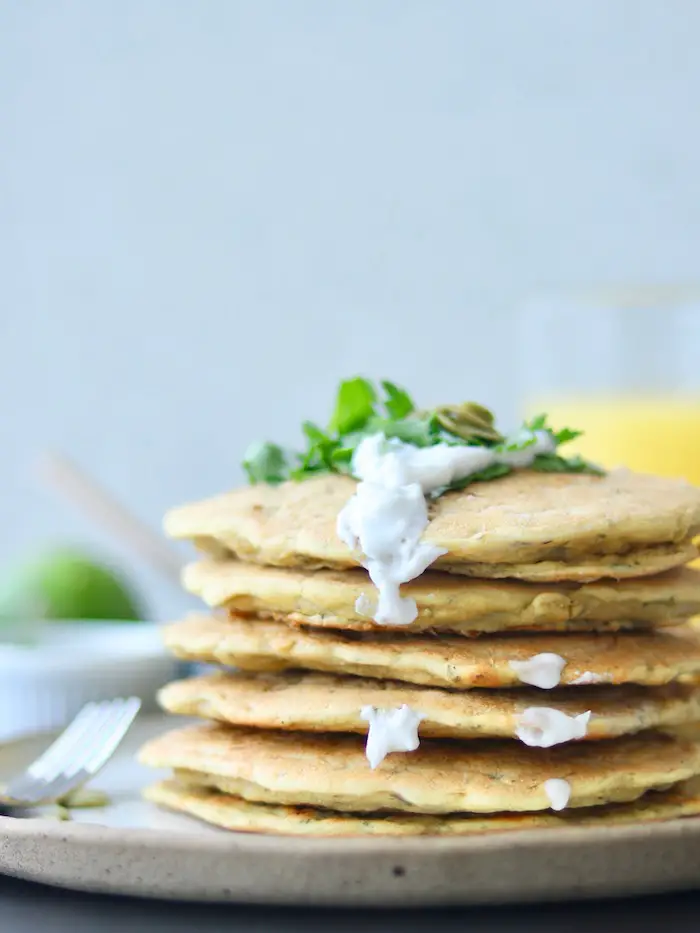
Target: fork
(76, 756)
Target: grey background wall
(212, 210)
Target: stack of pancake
(550, 671)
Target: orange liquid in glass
(649, 435)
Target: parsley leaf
(341, 459)
(318, 457)
(354, 405)
(495, 471)
(398, 402)
(566, 435)
(359, 413)
(314, 433)
(521, 440)
(265, 463)
(553, 463)
(417, 431)
(538, 423)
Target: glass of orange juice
(622, 365)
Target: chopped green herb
(341, 459)
(84, 798)
(566, 435)
(539, 423)
(314, 433)
(417, 431)
(265, 463)
(362, 410)
(553, 463)
(523, 439)
(398, 402)
(354, 405)
(495, 471)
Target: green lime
(65, 584)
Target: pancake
(538, 526)
(484, 776)
(234, 813)
(641, 562)
(326, 598)
(647, 658)
(309, 702)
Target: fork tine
(78, 753)
(119, 730)
(106, 737)
(94, 754)
(46, 765)
(95, 750)
(69, 736)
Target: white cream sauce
(388, 514)
(542, 726)
(588, 677)
(541, 670)
(558, 792)
(390, 730)
(364, 606)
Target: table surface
(26, 908)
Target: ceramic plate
(131, 847)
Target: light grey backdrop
(210, 210)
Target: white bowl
(43, 684)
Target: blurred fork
(75, 757)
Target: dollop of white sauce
(364, 606)
(541, 670)
(542, 726)
(388, 514)
(558, 792)
(390, 730)
(588, 677)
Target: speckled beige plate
(132, 847)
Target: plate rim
(539, 866)
(533, 865)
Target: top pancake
(445, 603)
(528, 525)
